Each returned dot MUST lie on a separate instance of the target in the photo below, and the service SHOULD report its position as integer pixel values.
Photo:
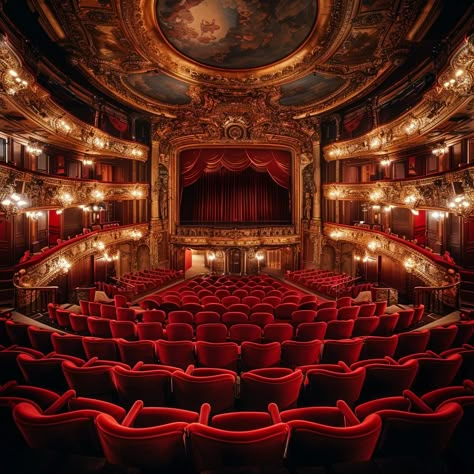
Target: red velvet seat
(326, 314)
(84, 305)
(323, 436)
(204, 317)
(211, 332)
(365, 326)
(245, 332)
(192, 307)
(240, 293)
(366, 310)
(175, 353)
(311, 331)
(78, 323)
(123, 330)
(99, 327)
(239, 308)
(378, 347)
(283, 311)
(207, 299)
(441, 338)
(259, 387)
(387, 324)
(104, 349)
(262, 308)
(132, 352)
(261, 318)
(237, 448)
(94, 308)
(17, 333)
(277, 332)
(200, 385)
(120, 301)
(380, 307)
(339, 329)
(230, 318)
(412, 342)
(250, 301)
(40, 339)
(149, 331)
(68, 344)
(256, 356)
(9, 369)
(326, 385)
(126, 314)
(405, 319)
(153, 316)
(70, 432)
(150, 383)
(223, 355)
(302, 316)
(419, 311)
(215, 307)
(327, 304)
(387, 380)
(150, 438)
(180, 316)
(465, 333)
(94, 379)
(296, 353)
(345, 313)
(108, 311)
(179, 332)
(228, 300)
(346, 350)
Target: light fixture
(65, 199)
(411, 200)
(437, 215)
(110, 257)
(211, 256)
(87, 162)
(440, 149)
(412, 126)
(387, 208)
(97, 194)
(385, 162)
(34, 215)
(136, 152)
(335, 193)
(98, 142)
(373, 245)
(461, 205)
(415, 212)
(34, 149)
(136, 193)
(336, 234)
(259, 256)
(376, 196)
(63, 126)
(63, 265)
(14, 82)
(12, 203)
(409, 264)
(136, 234)
(335, 152)
(458, 82)
(99, 245)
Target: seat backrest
(68, 344)
(346, 350)
(102, 348)
(150, 331)
(349, 312)
(441, 338)
(311, 331)
(339, 329)
(296, 353)
(255, 355)
(326, 314)
(99, 327)
(179, 332)
(245, 332)
(153, 316)
(176, 353)
(123, 329)
(379, 346)
(180, 316)
(365, 326)
(132, 352)
(412, 342)
(204, 317)
(230, 318)
(224, 355)
(277, 332)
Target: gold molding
(35, 102)
(431, 273)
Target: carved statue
(163, 197)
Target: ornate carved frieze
(239, 237)
(51, 266)
(430, 192)
(33, 101)
(46, 191)
(453, 90)
(426, 269)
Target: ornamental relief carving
(425, 269)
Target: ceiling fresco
(236, 34)
(189, 57)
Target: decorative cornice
(48, 268)
(436, 106)
(430, 192)
(424, 268)
(272, 236)
(45, 191)
(35, 102)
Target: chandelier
(440, 149)
(11, 202)
(14, 83)
(34, 215)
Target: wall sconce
(136, 193)
(412, 126)
(335, 193)
(411, 200)
(459, 82)
(99, 245)
(110, 258)
(98, 142)
(461, 205)
(97, 195)
(63, 265)
(34, 149)
(136, 235)
(335, 152)
(385, 162)
(12, 204)
(376, 195)
(439, 216)
(440, 149)
(34, 215)
(87, 162)
(373, 245)
(63, 126)
(409, 264)
(136, 152)
(335, 235)
(387, 208)
(65, 199)
(14, 82)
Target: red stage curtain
(196, 162)
(243, 197)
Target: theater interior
(236, 236)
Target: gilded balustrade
(452, 91)
(46, 191)
(44, 268)
(30, 99)
(430, 192)
(421, 265)
(239, 237)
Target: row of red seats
(137, 376)
(173, 439)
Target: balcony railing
(438, 299)
(33, 300)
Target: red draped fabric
(196, 162)
(225, 185)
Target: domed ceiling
(297, 57)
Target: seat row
(184, 440)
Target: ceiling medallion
(234, 34)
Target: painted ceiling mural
(236, 34)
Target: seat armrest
(204, 414)
(60, 403)
(274, 413)
(132, 414)
(417, 402)
(349, 416)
